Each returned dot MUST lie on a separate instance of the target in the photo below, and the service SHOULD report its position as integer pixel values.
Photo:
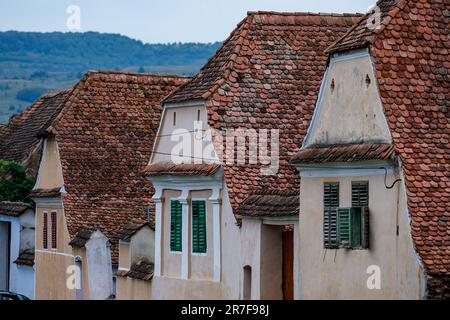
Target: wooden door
(288, 265)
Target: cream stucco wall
(169, 137)
(132, 289)
(51, 264)
(342, 273)
(334, 118)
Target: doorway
(288, 264)
(5, 253)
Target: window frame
(192, 226)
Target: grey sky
(156, 21)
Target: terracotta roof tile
(82, 237)
(45, 193)
(267, 75)
(271, 203)
(105, 135)
(167, 168)
(142, 269)
(411, 57)
(25, 258)
(344, 153)
(20, 137)
(131, 228)
(13, 209)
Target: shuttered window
(360, 194)
(175, 225)
(345, 227)
(45, 230)
(198, 226)
(331, 204)
(54, 230)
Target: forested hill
(32, 62)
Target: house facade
(226, 213)
(89, 181)
(373, 211)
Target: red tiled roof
(105, 136)
(19, 139)
(131, 228)
(344, 153)
(13, 209)
(82, 237)
(411, 58)
(270, 203)
(142, 269)
(267, 75)
(167, 168)
(360, 34)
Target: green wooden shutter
(365, 223)
(345, 230)
(175, 225)
(199, 226)
(331, 204)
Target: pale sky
(156, 21)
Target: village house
(19, 144)
(224, 226)
(89, 183)
(374, 165)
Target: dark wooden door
(288, 265)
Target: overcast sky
(156, 21)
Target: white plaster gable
(349, 108)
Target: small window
(247, 283)
(54, 230)
(331, 204)
(198, 226)
(198, 115)
(174, 119)
(332, 86)
(45, 230)
(175, 225)
(368, 80)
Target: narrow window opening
(368, 81)
(174, 118)
(198, 115)
(332, 86)
(247, 283)
(45, 230)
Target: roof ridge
(305, 13)
(153, 75)
(243, 27)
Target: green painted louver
(331, 204)
(175, 225)
(199, 226)
(345, 227)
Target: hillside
(32, 63)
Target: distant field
(32, 63)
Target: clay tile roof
(25, 258)
(167, 168)
(13, 209)
(131, 228)
(344, 153)
(20, 137)
(45, 193)
(142, 269)
(271, 203)
(360, 34)
(82, 237)
(411, 58)
(105, 135)
(267, 75)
